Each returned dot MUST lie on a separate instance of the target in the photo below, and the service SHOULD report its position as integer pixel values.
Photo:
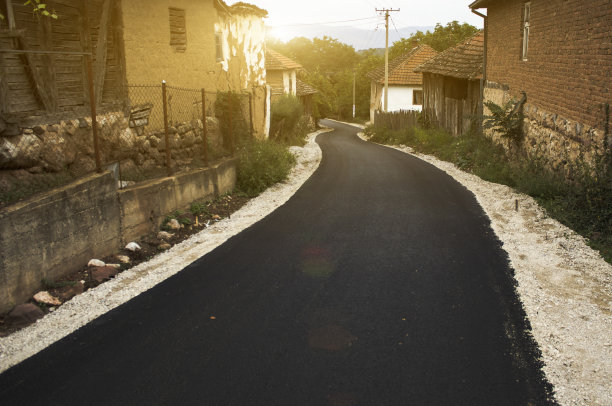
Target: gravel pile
(564, 285)
(85, 307)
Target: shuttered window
(178, 31)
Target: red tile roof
(463, 61)
(304, 89)
(401, 69)
(276, 61)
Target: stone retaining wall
(555, 141)
(58, 232)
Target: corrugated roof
(276, 61)
(304, 89)
(463, 61)
(401, 69)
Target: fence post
(251, 112)
(204, 128)
(229, 122)
(94, 118)
(166, 137)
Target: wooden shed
(451, 85)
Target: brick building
(559, 52)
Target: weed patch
(262, 164)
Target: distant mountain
(359, 38)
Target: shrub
(287, 123)
(507, 120)
(228, 106)
(262, 164)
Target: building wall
(566, 75)
(150, 58)
(61, 78)
(400, 98)
(450, 103)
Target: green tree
(38, 8)
(442, 37)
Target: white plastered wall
(400, 98)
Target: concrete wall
(49, 236)
(54, 234)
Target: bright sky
(286, 17)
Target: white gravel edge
(95, 302)
(564, 285)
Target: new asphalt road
(380, 282)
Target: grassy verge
(262, 163)
(583, 204)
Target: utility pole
(386, 11)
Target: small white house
(405, 85)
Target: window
(417, 97)
(218, 47)
(526, 18)
(178, 32)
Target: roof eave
(480, 4)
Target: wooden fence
(396, 120)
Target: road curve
(379, 282)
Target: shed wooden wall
(61, 80)
(450, 103)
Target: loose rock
(103, 273)
(68, 292)
(173, 224)
(133, 247)
(164, 235)
(124, 259)
(46, 298)
(96, 262)
(163, 247)
(24, 314)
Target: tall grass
(262, 163)
(583, 203)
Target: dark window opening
(178, 30)
(417, 97)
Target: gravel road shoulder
(95, 302)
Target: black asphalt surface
(379, 283)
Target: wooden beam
(37, 80)
(85, 39)
(10, 15)
(101, 51)
(48, 73)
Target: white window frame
(526, 27)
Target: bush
(287, 124)
(228, 106)
(262, 164)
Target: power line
(324, 23)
